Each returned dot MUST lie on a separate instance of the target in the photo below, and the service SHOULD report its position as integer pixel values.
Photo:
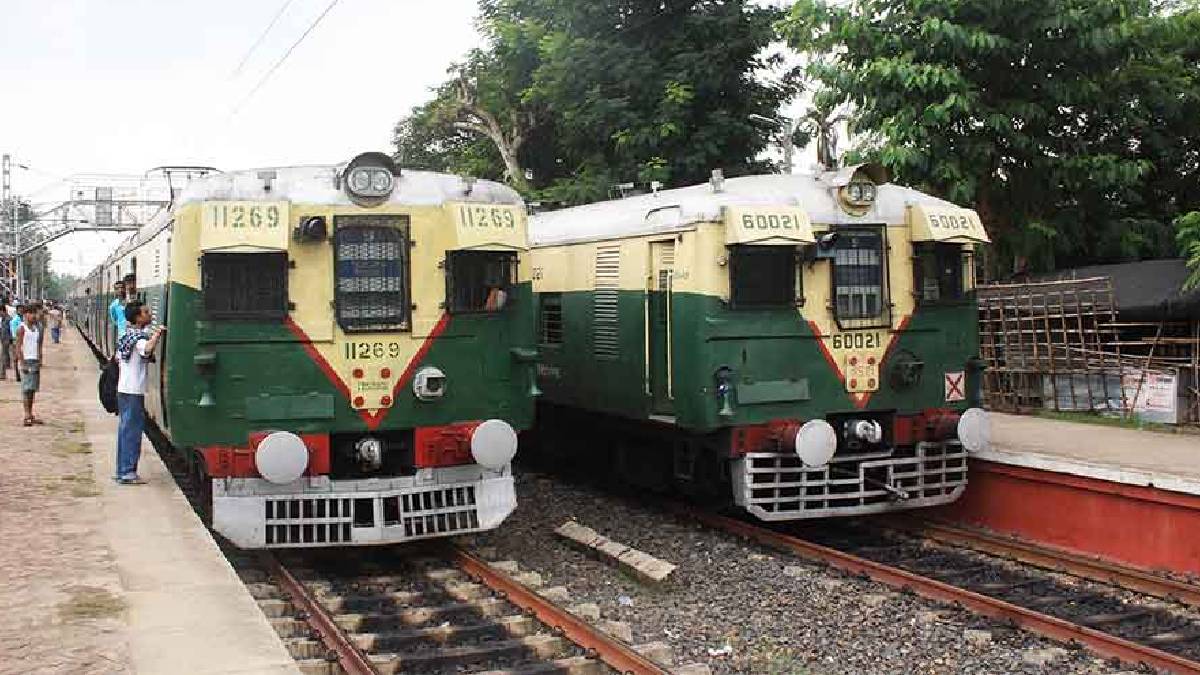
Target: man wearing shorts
(28, 341)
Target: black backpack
(108, 385)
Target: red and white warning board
(956, 386)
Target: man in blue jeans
(134, 350)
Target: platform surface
(1130, 456)
(188, 612)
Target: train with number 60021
(803, 346)
(350, 348)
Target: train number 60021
(855, 341)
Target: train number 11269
(360, 351)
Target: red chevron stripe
(372, 420)
(860, 401)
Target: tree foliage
(586, 94)
(1070, 125)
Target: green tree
(1187, 229)
(588, 93)
(58, 285)
(1069, 124)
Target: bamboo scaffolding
(1062, 345)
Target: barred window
(550, 319)
(860, 279)
(938, 272)
(479, 281)
(372, 271)
(762, 276)
(245, 286)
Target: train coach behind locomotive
(805, 344)
(349, 348)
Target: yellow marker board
(234, 225)
(787, 226)
(946, 223)
(483, 226)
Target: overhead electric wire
(285, 56)
(253, 47)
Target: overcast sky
(120, 86)
(124, 85)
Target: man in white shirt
(28, 341)
(134, 350)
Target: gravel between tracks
(772, 612)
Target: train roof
(315, 184)
(682, 208)
(318, 185)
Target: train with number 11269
(350, 349)
(803, 346)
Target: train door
(162, 264)
(658, 301)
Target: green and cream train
(804, 345)
(350, 349)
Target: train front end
(350, 358)
(870, 402)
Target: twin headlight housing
(369, 181)
(860, 193)
(857, 187)
(370, 178)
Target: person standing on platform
(14, 324)
(28, 339)
(116, 310)
(55, 319)
(134, 350)
(6, 350)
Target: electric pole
(8, 233)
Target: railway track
(1087, 567)
(428, 610)
(986, 581)
(438, 610)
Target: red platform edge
(1135, 525)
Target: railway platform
(172, 597)
(1124, 495)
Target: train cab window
(244, 286)
(763, 277)
(938, 272)
(372, 265)
(479, 281)
(860, 279)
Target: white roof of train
(682, 208)
(315, 185)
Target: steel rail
(349, 657)
(617, 654)
(1049, 626)
(1087, 567)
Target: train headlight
(494, 444)
(367, 181)
(859, 193)
(815, 443)
(975, 430)
(281, 457)
(370, 178)
(858, 186)
(369, 452)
